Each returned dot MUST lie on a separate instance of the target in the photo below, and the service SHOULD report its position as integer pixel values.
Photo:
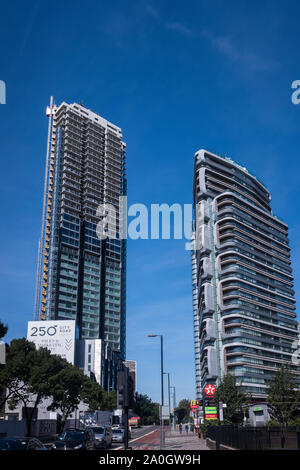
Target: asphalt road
(136, 434)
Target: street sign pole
(221, 414)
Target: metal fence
(255, 438)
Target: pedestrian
(187, 428)
(180, 428)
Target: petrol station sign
(211, 412)
(209, 390)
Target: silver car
(118, 435)
(103, 436)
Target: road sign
(164, 412)
(209, 390)
(194, 405)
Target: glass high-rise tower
(79, 276)
(244, 306)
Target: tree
(109, 401)
(92, 394)
(31, 375)
(183, 410)
(283, 399)
(26, 375)
(68, 388)
(146, 409)
(233, 396)
(3, 330)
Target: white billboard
(56, 335)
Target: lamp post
(162, 389)
(169, 398)
(174, 405)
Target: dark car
(21, 443)
(75, 439)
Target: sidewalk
(184, 441)
(173, 441)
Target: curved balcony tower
(245, 306)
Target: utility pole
(162, 389)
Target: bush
(273, 423)
(207, 423)
(295, 421)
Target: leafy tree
(3, 330)
(31, 375)
(233, 396)
(183, 410)
(68, 388)
(26, 375)
(283, 398)
(109, 401)
(146, 409)
(92, 394)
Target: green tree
(109, 401)
(283, 398)
(26, 375)
(31, 375)
(68, 388)
(92, 394)
(3, 329)
(146, 409)
(183, 410)
(233, 396)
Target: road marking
(144, 435)
(141, 437)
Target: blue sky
(176, 76)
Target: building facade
(98, 361)
(132, 371)
(80, 276)
(244, 306)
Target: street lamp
(167, 373)
(174, 405)
(162, 388)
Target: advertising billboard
(56, 335)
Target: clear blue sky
(176, 76)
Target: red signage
(210, 390)
(214, 416)
(194, 405)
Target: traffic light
(131, 397)
(125, 390)
(122, 389)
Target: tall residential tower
(244, 307)
(80, 276)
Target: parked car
(118, 435)
(21, 443)
(103, 436)
(75, 439)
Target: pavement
(173, 441)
